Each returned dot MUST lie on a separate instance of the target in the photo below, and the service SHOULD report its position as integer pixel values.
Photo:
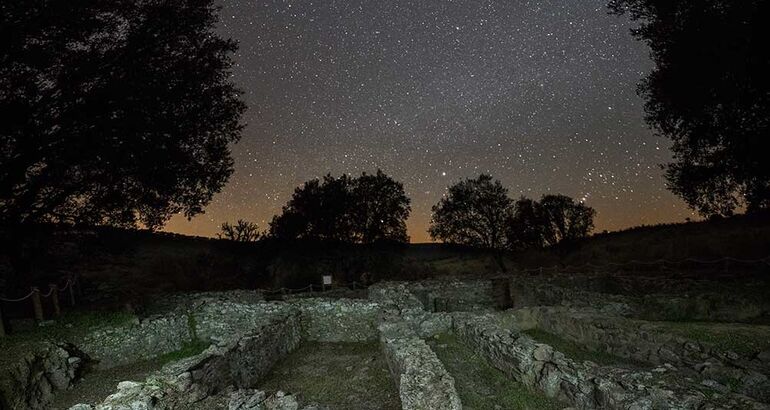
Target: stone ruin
(249, 335)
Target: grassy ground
(577, 352)
(341, 376)
(743, 339)
(480, 385)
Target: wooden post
(2, 324)
(55, 299)
(37, 307)
(72, 293)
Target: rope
(19, 299)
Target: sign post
(2, 325)
(327, 280)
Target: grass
(745, 340)
(188, 349)
(338, 375)
(480, 385)
(575, 351)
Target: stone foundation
(645, 342)
(422, 380)
(338, 320)
(583, 385)
(31, 383)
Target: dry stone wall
(422, 380)
(114, 346)
(338, 320)
(583, 385)
(240, 363)
(30, 384)
(454, 295)
(645, 342)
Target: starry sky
(538, 93)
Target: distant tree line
(369, 208)
(478, 212)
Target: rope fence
(36, 297)
(70, 282)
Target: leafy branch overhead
(114, 112)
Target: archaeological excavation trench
(446, 344)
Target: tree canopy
(710, 94)
(115, 112)
(473, 212)
(241, 231)
(478, 212)
(364, 209)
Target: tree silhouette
(563, 219)
(525, 225)
(381, 208)
(364, 209)
(241, 231)
(710, 94)
(114, 112)
(473, 212)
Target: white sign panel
(327, 279)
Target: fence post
(55, 299)
(541, 270)
(37, 307)
(2, 323)
(72, 292)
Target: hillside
(124, 265)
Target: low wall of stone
(241, 362)
(422, 380)
(454, 295)
(151, 337)
(701, 304)
(646, 342)
(30, 383)
(219, 320)
(338, 320)
(583, 385)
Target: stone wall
(422, 380)
(218, 320)
(612, 295)
(454, 295)
(31, 383)
(646, 342)
(151, 337)
(240, 363)
(338, 320)
(583, 385)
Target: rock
(82, 406)
(713, 384)
(764, 356)
(281, 402)
(246, 400)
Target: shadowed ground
(338, 375)
(481, 386)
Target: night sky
(539, 94)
